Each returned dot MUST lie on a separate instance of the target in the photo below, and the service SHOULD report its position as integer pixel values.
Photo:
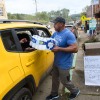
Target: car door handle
(30, 63)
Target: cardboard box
(92, 48)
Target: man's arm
(73, 48)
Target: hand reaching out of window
(24, 40)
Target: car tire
(23, 94)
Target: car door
(43, 32)
(32, 61)
(11, 71)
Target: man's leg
(55, 80)
(65, 80)
(55, 84)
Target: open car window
(43, 32)
(26, 35)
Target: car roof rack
(27, 21)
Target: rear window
(8, 40)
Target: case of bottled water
(41, 43)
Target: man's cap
(59, 19)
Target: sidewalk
(87, 92)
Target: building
(96, 14)
(89, 11)
(3, 13)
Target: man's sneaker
(74, 95)
(52, 97)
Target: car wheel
(23, 94)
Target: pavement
(77, 74)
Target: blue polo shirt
(64, 38)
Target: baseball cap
(59, 19)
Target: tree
(42, 16)
(63, 13)
(20, 16)
(84, 11)
(75, 16)
(11, 16)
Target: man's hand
(56, 49)
(30, 49)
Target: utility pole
(92, 12)
(36, 5)
(92, 8)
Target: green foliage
(84, 11)
(20, 16)
(43, 17)
(63, 13)
(75, 16)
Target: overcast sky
(28, 6)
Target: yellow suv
(21, 70)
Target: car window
(8, 40)
(26, 35)
(21, 31)
(43, 32)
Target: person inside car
(25, 40)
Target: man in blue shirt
(63, 51)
